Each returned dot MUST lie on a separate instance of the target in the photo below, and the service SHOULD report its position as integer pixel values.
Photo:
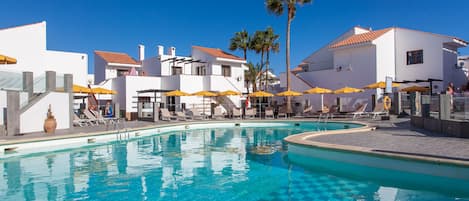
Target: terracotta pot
(50, 124)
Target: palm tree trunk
(260, 71)
(267, 69)
(289, 109)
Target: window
(226, 70)
(177, 70)
(121, 72)
(171, 102)
(415, 57)
(201, 70)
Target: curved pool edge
(307, 140)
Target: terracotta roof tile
(218, 53)
(116, 57)
(360, 38)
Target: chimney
(160, 50)
(172, 51)
(141, 52)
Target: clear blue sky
(120, 25)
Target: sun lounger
(104, 120)
(237, 113)
(282, 112)
(269, 113)
(166, 116)
(250, 113)
(77, 121)
(378, 111)
(195, 114)
(92, 118)
(181, 116)
(218, 114)
(359, 112)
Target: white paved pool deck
(391, 137)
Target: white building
(28, 45)
(361, 56)
(206, 69)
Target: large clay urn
(50, 124)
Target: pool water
(235, 163)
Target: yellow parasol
(319, 90)
(204, 93)
(229, 93)
(415, 88)
(80, 89)
(289, 93)
(99, 90)
(347, 90)
(260, 94)
(176, 93)
(7, 60)
(380, 85)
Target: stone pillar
(426, 99)
(28, 84)
(415, 104)
(51, 80)
(445, 107)
(68, 88)
(117, 111)
(156, 112)
(396, 102)
(13, 114)
(139, 110)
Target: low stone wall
(450, 128)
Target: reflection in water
(206, 164)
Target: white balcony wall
(127, 87)
(71, 63)
(32, 120)
(99, 69)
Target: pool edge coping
(307, 139)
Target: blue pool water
(205, 164)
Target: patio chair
(251, 113)
(327, 112)
(182, 116)
(282, 112)
(218, 113)
(92, 118)
(166, 116)
(104, 120)
(77, 121)
(195, 114)
(378, 111)
(269, 113)
(360, 111)
(237, 113)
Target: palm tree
(258, 45)
(241, 41)
(270, 45)
(277, 7)
(251, 75)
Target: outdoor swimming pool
(224, 163)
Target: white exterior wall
(32, 120)
(127, 87)
(385, 59)
(99, 69)
(28, 45)
(431, 44)
(152, 66)
(67, 62)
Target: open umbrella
(100, 90)
(80, 89)
(415, 88)
(7, 60)
(380, 85)
(260, 94)
(229, 93)
(319, 90)
(204, 94)
(176, 93)
(347, 90)
(289, 93)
